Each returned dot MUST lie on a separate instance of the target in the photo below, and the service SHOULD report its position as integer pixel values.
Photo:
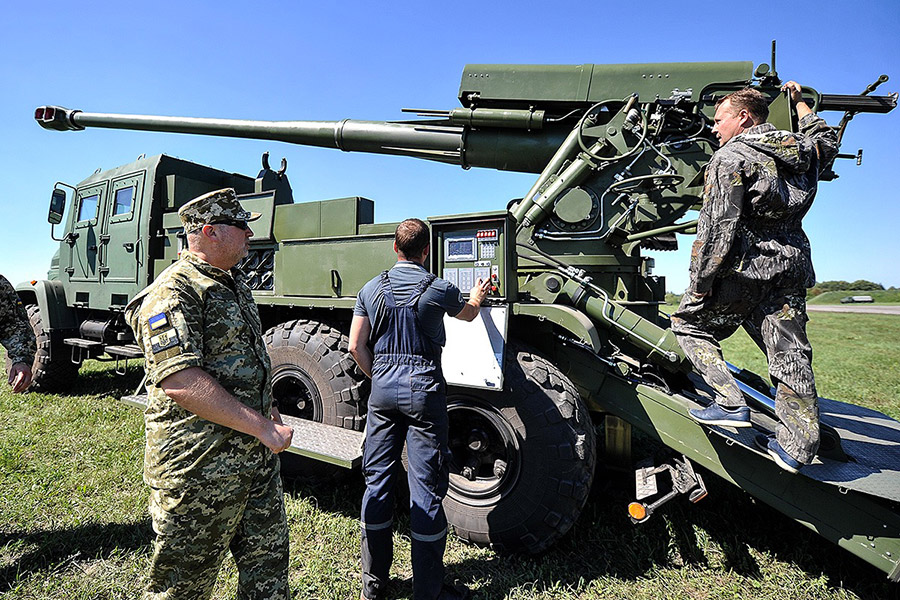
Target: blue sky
(324, 61)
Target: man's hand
(480, 291)
(19, 377)
(796, 93)
(471, 308)
(794, 88)
(277, 438)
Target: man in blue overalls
(401, 312)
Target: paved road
(878, 309)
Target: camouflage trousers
(776, 320)
(196, 525)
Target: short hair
(753, 101)
(412, 238)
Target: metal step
(82, 343)
(126, 351)
(335, 445)
(328, 443)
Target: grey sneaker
(717, 415)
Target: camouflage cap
(220, 206)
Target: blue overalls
(408, 402)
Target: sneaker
(770, 445)
(718, 415)
(761, 441)
(455, 592)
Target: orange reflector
(637, 511)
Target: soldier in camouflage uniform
(212, 429)
(751, 265)
(16, 336)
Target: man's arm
(197, 391)
(360, 329)
(723, 201)
(476, 296)
(814, 127)
(16, 336)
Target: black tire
(313, 374)
(53, 369)
(531, 451)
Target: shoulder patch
(164, 341)
(158, 321)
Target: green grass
(74, 524)
(856, 358)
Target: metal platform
(335, 445)
(83, 343)
(126, 351)
(870, 439)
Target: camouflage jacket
(759, 185)
(15, 330)
(197, 315)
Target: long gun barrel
(431, 140)
(513, 117)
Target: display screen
(464, 248)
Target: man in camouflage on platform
(212, 429)
(751, 265)
(16, 336)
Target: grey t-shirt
(440, 297)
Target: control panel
(472, 248)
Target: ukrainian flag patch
(164, 341)
(158, 321)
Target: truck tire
(313, 374)
(522, 459)
(53, 369)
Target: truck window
(124, 200)
(87, 210)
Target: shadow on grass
(716, 534)
(50, 549)
(337, 490)
(96, 378)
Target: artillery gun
(572, 334)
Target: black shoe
(455, 592)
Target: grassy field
(73, 520)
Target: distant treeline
(860, 285)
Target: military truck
(570, 352)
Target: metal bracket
(684, 481)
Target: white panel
(473, 356)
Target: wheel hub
(484, 452)
(296, 394)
